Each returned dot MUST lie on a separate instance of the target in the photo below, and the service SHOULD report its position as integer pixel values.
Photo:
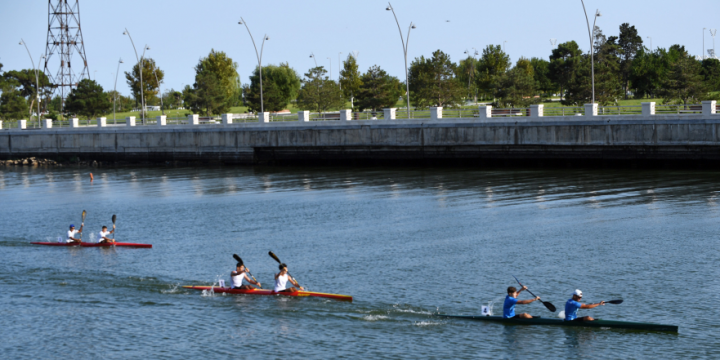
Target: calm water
(402, 242)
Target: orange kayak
(270, 292)
(89, 244)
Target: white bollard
(264, 117)
(648, 108)
(537, 110)
(46, 123)
(709, 107)
(74, 123)
(193, 119)
(345, 115)
(130, 121)
(161, 120)
(0, 124)
(303, 116)
(591, 110)
(22, 124)
(389, 113)
(227, 119)
(485, 111)
(102, 122)
(436, 113)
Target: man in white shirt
(104, 233)
(72, 232)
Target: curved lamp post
(405, 43)
(140, 68)
(162, 107)
(314, 58)
(37, 81)
(339, 67)
(650, 37)
(115, 90)
(330, 61)
(592, 46)
(259, 59)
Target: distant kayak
(270, 292)
(551, 321)
(86, 244)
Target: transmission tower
(64, 40)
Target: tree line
(624, 67)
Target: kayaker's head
(512, 291)
(283, 268)
(577, 295)
(72, 226)
(240, 267)
(104, 228)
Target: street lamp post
(330, 61)
(162, 106)
(37, 79)
(115, 90)
(703, 53)
(259, 59)
(592, 47)
(650, 37)
(713, 32)
(140, 68)
(405, 43)
(339, 67)
(314, 59)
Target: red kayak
(86, 244)
(270, 292)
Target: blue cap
(71, 225)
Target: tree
(433, 81)
(319, 93)
(564, 62)
(12, 104)
(684, 81)
(608, 87)
(630, 43)
(172, 99)
(207, 96)
(378, 90)
(490, 68)
(25, 81)
(224, 69)
(541, 73)
(711, 74)
(350, 79)
(281, 85)
(151, 85)
(467, 75)
(517, 86)
(88, 99)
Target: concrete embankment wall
(608, 138)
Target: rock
(25, 162)
(94, 163)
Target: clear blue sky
(180, 32)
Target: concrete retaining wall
(660, 137)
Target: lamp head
(413, 26)
(121, 61)
(598, 13)
(20, 43)
(267, 38)
(147, 48)
(124, 32)
(388, 8)
(240, 22)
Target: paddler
(239, 275)
(72, 232)
(104, 233)
(511, 300)
(573, 304)
(281, 280)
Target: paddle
(113, 220)
(280, 262)
(615, 302)
(239, 260)
(547, 304)
(82, 224)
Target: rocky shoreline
(32, 161)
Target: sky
(181, 32)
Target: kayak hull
(560, 322)
(117, 244)
(268, 292)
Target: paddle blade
(549, 306)
(238, 259)
(83, 215)
(616, 302)
(274, 257)
(114, 218)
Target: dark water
(402, 242)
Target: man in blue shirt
(572, 306)
(511, 300)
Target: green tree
(150, 84)
(650, 69)
(350, 79)
(684, 81)
(491, 67)
(172, 99)
(207, 96)
(88, 99)
(541, 73)
(711, 74)
(12, 105)
(319, 93)
(517, 86)
(630, 43)
(564, 62)
(25, 82)
(433, 81)
(281, 85)
(378, 90)
(224, 69)
(467, 75)
(608, 86)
